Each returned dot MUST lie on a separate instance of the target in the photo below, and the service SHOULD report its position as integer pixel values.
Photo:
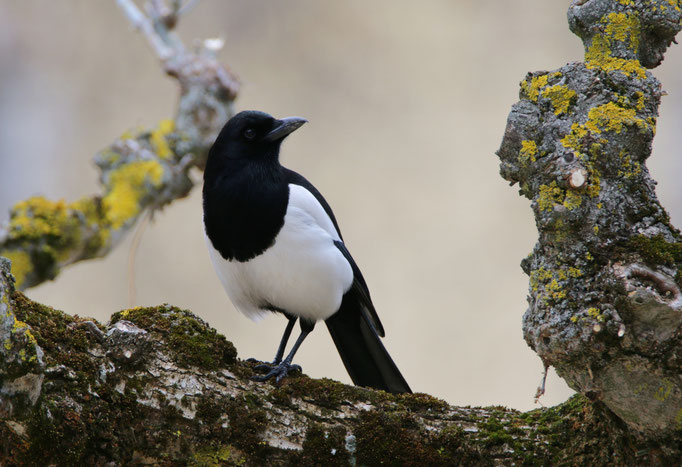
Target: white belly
(303, 273)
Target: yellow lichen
(596, 229)
(38, 216)
(628, 168)
(556, 291)
(538, 276)
(21, 264)
(574, 319)
(574, 272)
(532, 89)
(552, 195)
(599, 56)
(127, 183)
(594, 188)
(528, 152)
(159, 141)
(640, 100)
(596, 314)
(573, 140)
(623, 27)
(573, 200)
(560, 96)
(549, 196)
(612, 117)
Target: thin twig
(132, 254)
(144, 24)
(187, 7)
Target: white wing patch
(303, 273)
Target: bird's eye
(249, 134)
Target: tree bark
(159, 386)
(605, 275)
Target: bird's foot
(263, 367)
(277, 370)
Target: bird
(276, 247)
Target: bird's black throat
(244, 206)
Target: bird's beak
(283, 127)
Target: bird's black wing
(360, 288)
(359, 284)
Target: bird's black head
(252, 135)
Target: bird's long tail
(364, 356)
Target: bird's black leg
(282, 345)
(282, 369)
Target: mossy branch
(606, 273)
(158, 385)
(142, 169)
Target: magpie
(276, 247)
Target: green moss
(392, 439)
(62, 337)
(325, 392)
(422, 403)
(656, 250)
(324, 447)
(190, 339)
(21, 264)
(214, 456)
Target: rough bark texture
(142, 169)
(605, 275)
(158, 386)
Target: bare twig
(132, 254)
(144, 24)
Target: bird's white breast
(303, 273)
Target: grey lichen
(604, 302)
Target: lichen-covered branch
(158, 386)
(605, 276)
(142, 169)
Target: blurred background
(407, 103)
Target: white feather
(303, 272)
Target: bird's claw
(279, 372)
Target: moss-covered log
(158, 385)
(605, 276)
(142, 169)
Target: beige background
(407, 103)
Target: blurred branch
(146, 25)
(140, 170)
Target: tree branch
(605, 274)
(157, 385)
(140, 170)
